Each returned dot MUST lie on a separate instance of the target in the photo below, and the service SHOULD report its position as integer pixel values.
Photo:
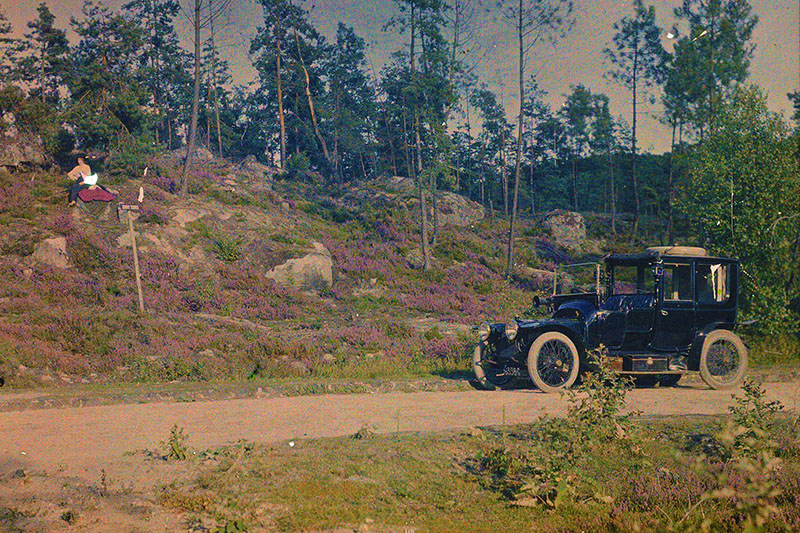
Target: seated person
(84, 179)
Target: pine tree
(638, 60)
(162, 62)
(109, 106)
(577, 114)
(44, 61)
(533, 20)
(350, 101)
(715, 54)
(6, 49)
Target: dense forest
(126, 88)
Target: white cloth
(91, 179)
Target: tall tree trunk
(195, 101)
(208, 117)
(41, 75)
(670, 228)
(712, 82)
(533, 192)
(574, 186)
(281, 118)
(214, 85)
(392, 157)
(314, 123)
(504, 174)
(633, 150)
(426, 265)
(409, 164)
(613, 194)
(518, 165)
(435, 211)
(426, 261)
(335, 155)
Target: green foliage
(750, 442)
(596, 404)
(753, 413)
(543, 471)
(743, 197)
(44, 59)
(299, 167)
(177, 449)
(231, 526)
(109, 108)
(227, 248)
(129, 160)
(710, 59)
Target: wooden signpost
(128, 210)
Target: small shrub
(596, 405)
(227, 248)
(753, 413)
(153, 215)
(298, 167)
(130, 160)
(176, 444)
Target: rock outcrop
(311, 272)
(22, 151)
(52, 252)
(257, 176)
(458, 210)
(200, 153)
(567, 228)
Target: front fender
(571, 328)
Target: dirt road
(81, 441)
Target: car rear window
(713, 282)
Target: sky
(577, 58)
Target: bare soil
(101, 467)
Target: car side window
(712, 282)
(677, 283)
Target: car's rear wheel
(553, 362)
(489, 375)
(723, 360)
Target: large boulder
(567, 228)
(253, 174)
(200, 153)
(396, 184)
(22, 151)
(312, 272)
(52, 252)
(457, 210)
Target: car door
(712, 281)
(675, 320)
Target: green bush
(298, 167)
(227, 248)
(130, 160)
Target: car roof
(668, 254)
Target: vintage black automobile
(656, 315)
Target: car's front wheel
(489, 374)
(553, 362)
(723, 360)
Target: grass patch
(438, 483)
(592, 471)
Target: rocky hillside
(252, 275)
